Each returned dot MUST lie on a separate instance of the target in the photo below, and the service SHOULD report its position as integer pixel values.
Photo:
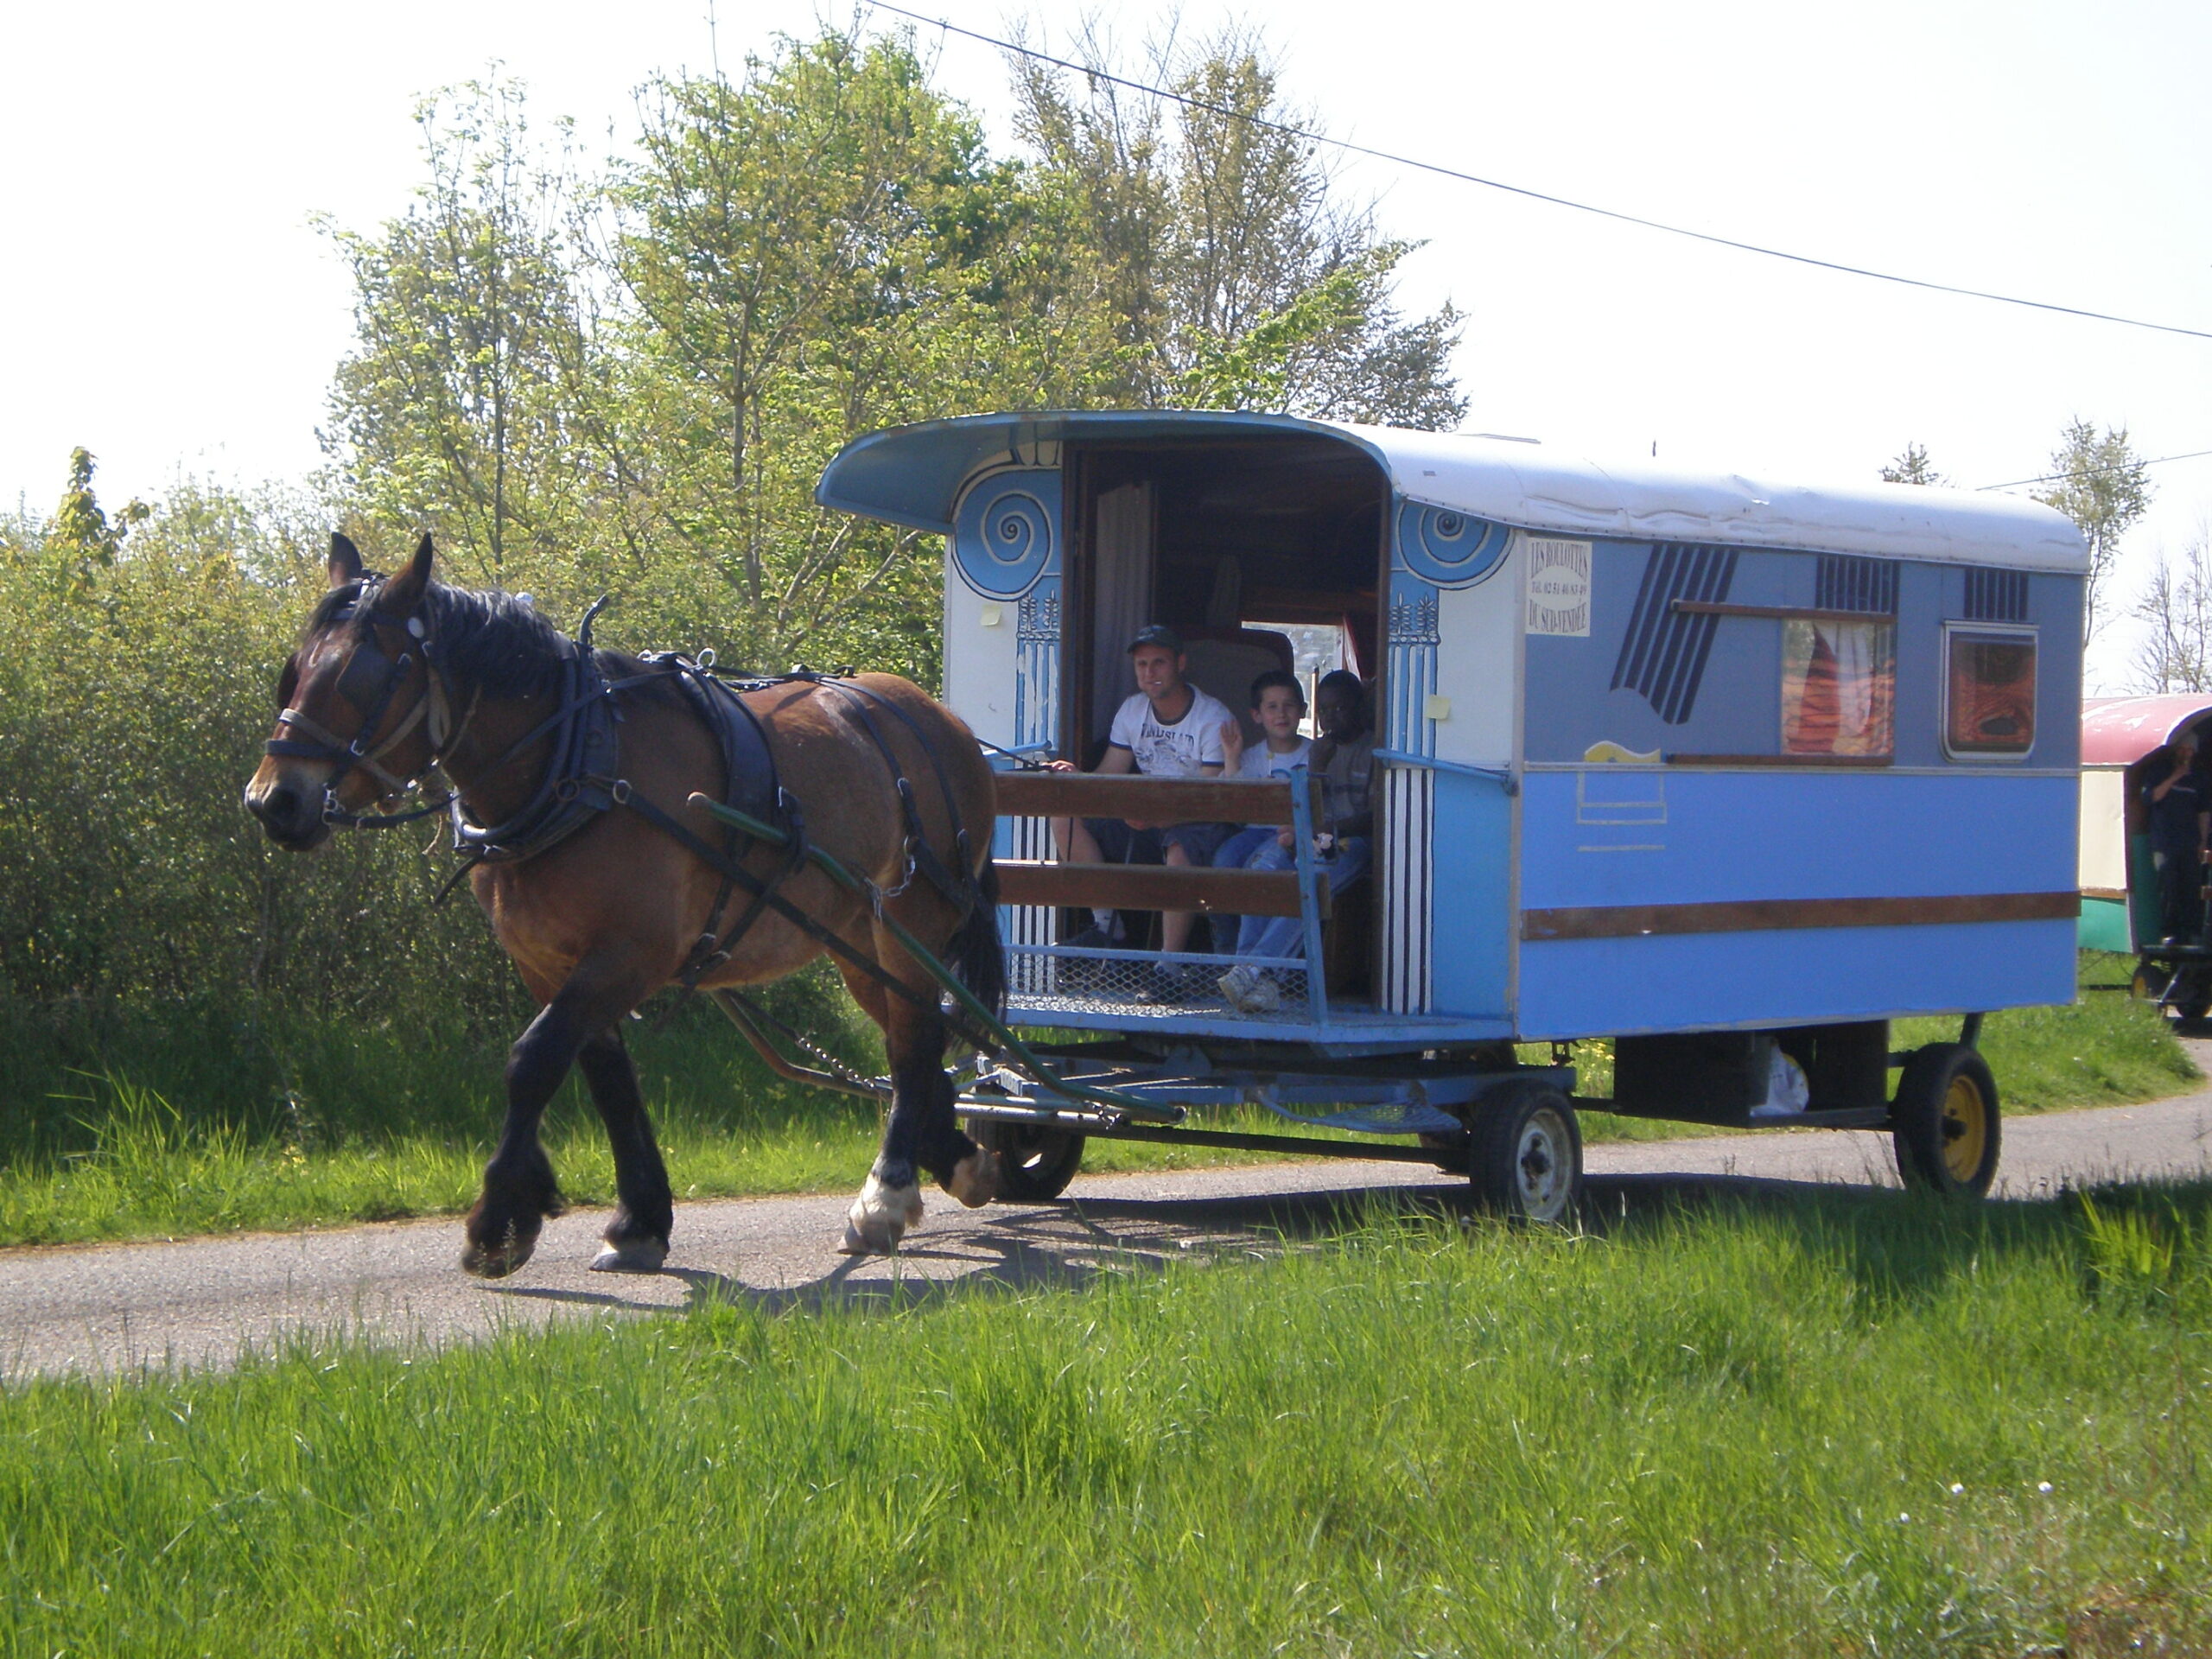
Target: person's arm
(1232, 746)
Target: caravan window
(1838, 686)
(1989, 692)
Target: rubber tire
(2150, 982)
(1525, 1155)
(2189, 992)
(1036, 1162)
(1944, 1088)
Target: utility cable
(2093, 471)
(1307, 136)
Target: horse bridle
(367, 658)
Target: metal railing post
(1309, 897)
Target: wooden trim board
(1767, 915)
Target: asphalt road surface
(204, 1301)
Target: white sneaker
(1248, 990)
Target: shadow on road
(1070, 1245)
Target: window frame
(1954, 628)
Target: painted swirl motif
(1002, 540)
(1452, 549)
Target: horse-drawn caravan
(1732, 773)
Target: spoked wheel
(1526, 1150)
(1944, 1122)
(1036, 1161)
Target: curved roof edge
(911, 475)
(2119, 731)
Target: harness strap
(830, 940)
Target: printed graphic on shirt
(1177, 751)
(1264, 763)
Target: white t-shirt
(1177, 751)
(1262, 762)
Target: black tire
(2189, 992)
(2150, 982)
(1525, 1153)
(1944, 1122)
(1036, 1161)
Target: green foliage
(2104, 487)
(1846, 1424)
(1912, 466)
(1231, 271)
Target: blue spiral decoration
(1003, 537)
(1452, 550)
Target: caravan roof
(912, 475)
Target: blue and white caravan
(1732, 773)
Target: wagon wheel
(2150, 982)
(1944, 1122)
(1526, 1152)
(1036, 1161)
(2188, 992)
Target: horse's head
(353, 697)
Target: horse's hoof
(630, 1256)
(880, 1218)
(485, 1262)
(976, 1179)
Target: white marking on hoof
(880, 1218)
(632, 1256)
(976, 1179)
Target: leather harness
(584, 778)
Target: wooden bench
(1152, 800)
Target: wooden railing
(1153, 801)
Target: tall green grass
(1865, 1425)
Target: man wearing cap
(1168, 729)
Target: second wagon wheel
(1525, 1153)
(1036, 1161)
(1944, 1120)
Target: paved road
(203, 1302)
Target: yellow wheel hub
(1966, 1129)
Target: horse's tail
(975, 953)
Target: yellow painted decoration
(1613, 753)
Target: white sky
(165, 301)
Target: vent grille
(1997, 596)
(1850, 584)
(1662, 656)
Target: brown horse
(605, 883)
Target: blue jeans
(1284, 936)
(1232, 855)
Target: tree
(1233, 271)
(2103, 486)
(451, 411)
(1912, 466)
(80, 533)
(2174, 653)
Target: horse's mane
(498, 643)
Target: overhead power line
(2093, 471)
(1307, 136)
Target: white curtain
(1122, 556)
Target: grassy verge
(385, 1124)
(1850, 1425)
